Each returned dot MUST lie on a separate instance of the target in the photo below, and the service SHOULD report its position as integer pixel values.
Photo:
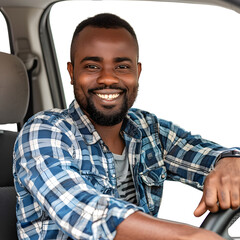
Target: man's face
(105, 73)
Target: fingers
(227, 171)
(201, 209)
(229, 193)
(235, 191)
(224, 193)
(220, 191)
(211, 199)
(209, 202)
(235, 197)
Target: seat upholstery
(14, 97)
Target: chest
(96, 164)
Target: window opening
(4, 39)
(5, 47)
(190, 66)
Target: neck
(111, 137)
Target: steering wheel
(220, 221)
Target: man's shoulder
(51, 116)
(141, 116)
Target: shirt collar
(131, 128)
(88, 131)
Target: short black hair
(103, 20)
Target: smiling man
(96, 170)
(105, 72)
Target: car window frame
(50, 60)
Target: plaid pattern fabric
(65, 176)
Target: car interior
(14, 87)
(30, 81)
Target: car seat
(14, 98)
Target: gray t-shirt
(125, 183)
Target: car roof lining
(231, 4)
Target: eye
(91, 66)
(123, 66)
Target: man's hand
(221, 187)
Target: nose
(107, 77)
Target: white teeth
(108, 96)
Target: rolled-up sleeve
(188, 158)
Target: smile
(108, 97)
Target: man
(96, 170)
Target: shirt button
(105, 149)
(114, 175)
(163, 176)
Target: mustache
(108, 87)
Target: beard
(111, 118)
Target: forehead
(93, 40)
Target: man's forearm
(141, 226)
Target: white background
(4, 39)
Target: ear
(139, 69)
(70, 71)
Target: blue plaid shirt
(65, 176)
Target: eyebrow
(99, 59)
(95, 59)
(122, 59)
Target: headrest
(14, 89)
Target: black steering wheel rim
(220, 221)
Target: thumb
(201, 208)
